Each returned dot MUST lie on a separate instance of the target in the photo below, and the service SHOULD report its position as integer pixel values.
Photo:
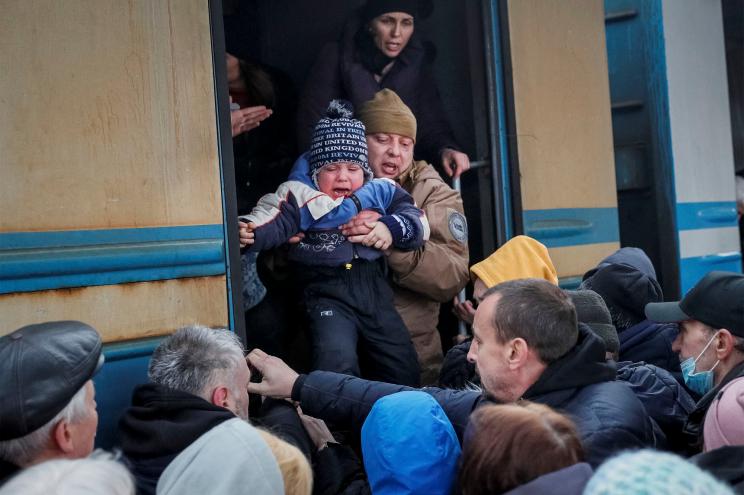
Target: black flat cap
(41, 368)
(716, 300)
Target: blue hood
(409, 446)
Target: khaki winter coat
(434, 273)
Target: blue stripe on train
(572, 226)
(706, 215)
(125, 368)
(694, 268)
(32, 261)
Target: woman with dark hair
(378, 50)
(520, 449)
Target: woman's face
(391, 32)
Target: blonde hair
(296, 471)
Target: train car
(590, 125)
(116, 146)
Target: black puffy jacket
(581, 384)
(665, 400)
(158, 426)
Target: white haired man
(199, 379)
(97, 474)
(48, 409)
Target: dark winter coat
(158, 426)
(651, 343)
(664, 399)
(581, 384)
(337, 470)
(7, 471)
(339, 73)
(726, 464)
(571, 481)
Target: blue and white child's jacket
(297, 206)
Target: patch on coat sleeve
(458, 226)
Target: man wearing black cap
(710, 343)
(48, 409)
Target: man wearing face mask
(710, 343)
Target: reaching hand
(463, 310)
(248, 118)
(454, 162)
(245, 231)
(379, 237)
(359, 224)
(278, 378)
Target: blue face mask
(702, 381)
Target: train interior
(278, 34)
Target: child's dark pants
(353, 308)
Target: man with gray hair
(48, 409)
(199, 379)
(98, 474)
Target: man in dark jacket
(198, 380)
(710, 343)
(526, 345)
(626, 280)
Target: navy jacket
(571, 481)
(651, 343)
(339, 73)
(664, 399)
(581, 384)
(158, 426)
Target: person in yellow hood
(520, 257)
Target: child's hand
(245, 230)
(379, 237)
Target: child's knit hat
(649, 472)
(338, 137)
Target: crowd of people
(602, 390)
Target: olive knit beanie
(387, 113)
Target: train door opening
(733, 32)
(456, 35)
(278, 33)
